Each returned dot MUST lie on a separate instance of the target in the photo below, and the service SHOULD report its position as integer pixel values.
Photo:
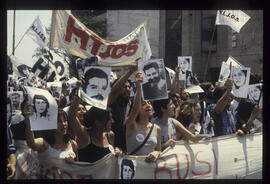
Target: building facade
(176, 33)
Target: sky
(24, 19)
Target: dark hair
(61, 112)
(187, 110)
(244, 109)
(158, 104)
(47, 104)
(128, 163)
(218, 93)
(49, 135)
(96, 114)
(94, 72)
(151, 65)
(205, 86)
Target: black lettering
(40, 67)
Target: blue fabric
(10, 146)
(225, 122)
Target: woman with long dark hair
(138, 127)
(53, 143)
(94, 136)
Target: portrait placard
(254, 93)
(45, 109)
(127, 168)
(16, 98)
(224, 73)
(97, 84)
(185, 64)
(154, 84)
(240, 77)
(55, 88)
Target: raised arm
(74, 122)
(175, 87)
(38, 144)
(247, 126)
(116, 89)
(223, 101)
(130, 121)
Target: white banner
(236, 19)
(38, 33)
(225, 157)
(69, 33)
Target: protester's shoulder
(156, 126)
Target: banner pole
(209, 53)
(13, 43)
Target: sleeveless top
(51, 152)
(168, 130)
(133, 142)
(92, 153)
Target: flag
(38, 33)
(233, 18)
(77, 39)
(234, 62)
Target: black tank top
(92, 153)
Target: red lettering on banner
(96, 45)
(80, 33)
(132, 48)
(213, 151)
(162, 169)
(114, 51)
(116, 48)
(178, 167)
(107, 53)
(204, 173)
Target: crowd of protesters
(88, 134)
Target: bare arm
(175, 87)
(115, 91)
(222, 102)
(38, 144)
(185, 132)
(75, 123)
(247, 126)
(12, 160)
(130, 121)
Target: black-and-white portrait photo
(254, 93)
(45, 109)
(224, 73)
(127, 168)
(240, 77)
(55, 88)
(133, 88)
(185, 64)
(16, 98)
(97, 83)
(154, 84)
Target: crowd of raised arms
(88, 135)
